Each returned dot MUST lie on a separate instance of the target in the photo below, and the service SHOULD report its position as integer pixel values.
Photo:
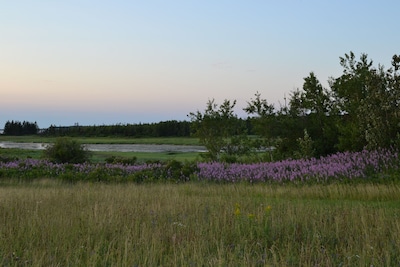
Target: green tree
(368, 98)
(379, 109)
(349, 90)
(277, 130)
(262, 120)
(315, 104)
(306, 146)
(220, 131)
(263, 112)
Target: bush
(120, 160)
(6, 159)
(67, 150)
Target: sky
(96, 62)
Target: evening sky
(108, 62)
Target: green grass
(46, 223)
(100, 156)
(20, 153)
(107, 140)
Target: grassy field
(100, 156)
(52, 224)
(21, 153)
(107, 140)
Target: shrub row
(29, 169)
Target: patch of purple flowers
(347, 165)
(35, 168)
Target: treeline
(360, 110)
(162, 129)
(20, 128)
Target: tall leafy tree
(316, 105)
(219, 130)
(350, 89)
(379, 111)
(275, 128)
(263, 113)
(369, 100)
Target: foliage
(317, 105)
(264, 122)
(359, 110)
(369, 97)
(306, 145)
(278, 130)
(66, 150)
(20, 128)
(121, 160)
(334, 168)
(6, 159)
(161, 129)
(178, 171)
(220, 131)
(31, 169)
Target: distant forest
(162, 129)
(20, 128)
(170, 128)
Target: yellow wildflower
(237, 209)
(268, 208)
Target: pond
(113, 147)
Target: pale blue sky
(107, 62)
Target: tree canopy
(359, 110)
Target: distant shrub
(6, 159)
(67, 150)
(120, 160)
(177, 171)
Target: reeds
(194, 224)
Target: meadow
(48, 223)
(102, 156)
(339, 210)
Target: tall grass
(48, 223)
